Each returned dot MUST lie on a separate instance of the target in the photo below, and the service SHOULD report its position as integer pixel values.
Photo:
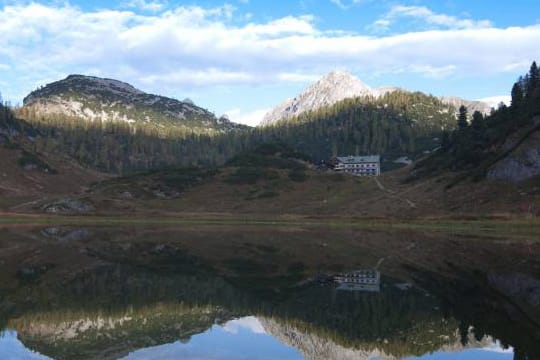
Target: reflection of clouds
(11, 348)
(250, 323)
(497, 347)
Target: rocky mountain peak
(330, 89)
(338, 85)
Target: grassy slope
(332, 195)
(19, 185)
(264, 187)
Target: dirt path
(392, 193)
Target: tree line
(474, 143)
(396, 124)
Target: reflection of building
(359, 280)
(358, 165)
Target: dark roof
(358, 159)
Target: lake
(266, 292)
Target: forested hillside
(394, 125)
(476, 145)
(91, 98)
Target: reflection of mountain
(154, 287)
(314, 346)
(157, 308)
(117, 309)
(65, 335)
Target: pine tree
(533, 90)
(477, 122)
(462, 117)
(517, 94)
(534, 79)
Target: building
(359, 280)
(358, 165)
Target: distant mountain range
(93, 98)
(339, 85)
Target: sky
(240, 339)
(243, 57)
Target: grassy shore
(495, 227)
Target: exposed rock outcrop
(68, 206)
(340, 85)
(330, 89)
(523, 159)
(93, 98)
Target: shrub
(246, 175)
(298, 175)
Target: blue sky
(242, 57)
(239, 339)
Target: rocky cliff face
(340, 85)
(332, 88)
(93, 98)
(523, 159)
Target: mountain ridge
(94, 98)
(339, 85)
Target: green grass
(492, 228)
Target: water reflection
(221, 293)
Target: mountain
(332, 88)
(339, 85)
(471, 105)
(316, 347)
(93, 98)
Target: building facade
(359, 280)
(358, 165)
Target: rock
(522, 163)
(68, 206)
(519, 287)
(126, 195)
(63, 233)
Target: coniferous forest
(476, 145)
(398, 124)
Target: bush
(246, 175)
(267, 194)
(298, 175)
(32, 161)
(185, 177)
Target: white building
(358, 165)
(359, 280)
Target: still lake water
(265, 293)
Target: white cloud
(145, 5)
(250, 323)
(494, 101)
(252, 118)
(190, 47)
(427, 16)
